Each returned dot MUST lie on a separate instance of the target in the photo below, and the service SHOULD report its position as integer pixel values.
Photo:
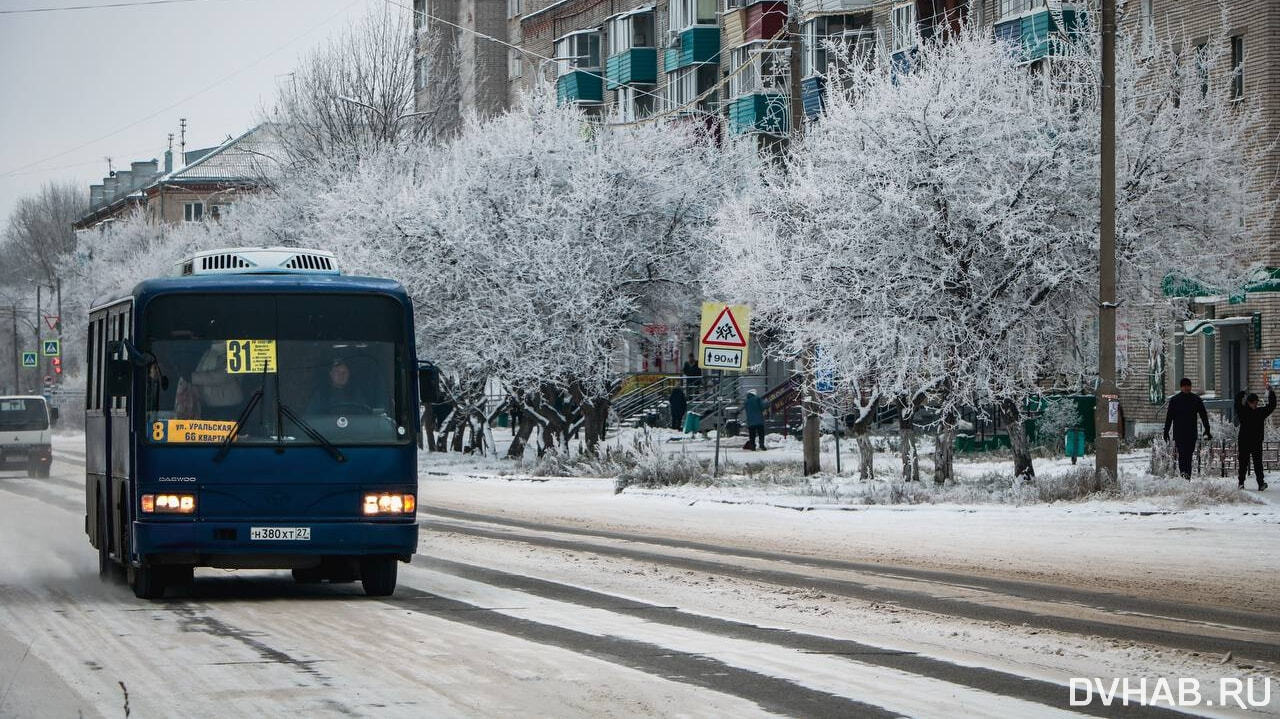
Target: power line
(206, 88)
(95, 7)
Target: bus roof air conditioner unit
(260, 261)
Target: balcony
(579, 86)
(1034, 31)
(764, 20)
(808, 7)
(764, 112)
(695, 45)
(639, 65)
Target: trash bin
(732, 428)
(503, 420)
(692, 422)
(1073, 443)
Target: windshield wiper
(311, 432)
(254, 399)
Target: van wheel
(43, 472)
(378, 576)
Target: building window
(515, 64)
(419, 14)
(513, 8)
(1202, 68)
(192, 211)
(687, 84)
(220, 211)
(578, 51)
(687, 13)
(421, 68)
(1237, 67)
(978, 12)
(633, 102)
(904, 22)
(1148, 27)
(1179, 357)
(628, 31)
(762, 69)
(1009, 8)
(833, 38)
(1210, 359)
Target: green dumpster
(1074, 443)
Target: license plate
(281, 533)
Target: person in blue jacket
(755, 421)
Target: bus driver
(340, 395)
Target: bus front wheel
(378, 576)
(148, 582)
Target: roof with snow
(251, 157)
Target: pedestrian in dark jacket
(755, 421)
(1184, 408)
(1253, 422)
(692, 373)
(678, 407)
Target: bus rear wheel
(378, 576)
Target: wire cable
(197, 93)
(96, 7)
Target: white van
(24, 434)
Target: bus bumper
(202, 542)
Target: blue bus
(257, 411)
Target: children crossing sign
(28, 359)
(725, 332)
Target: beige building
(205, 187)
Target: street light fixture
(382, 114)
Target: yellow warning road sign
(725, 332)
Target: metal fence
(1225, 457)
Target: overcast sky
(77, 86)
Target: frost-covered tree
(937, 227)
(355, 95)
(533, 243)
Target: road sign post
(725, 333)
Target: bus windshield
(21, 414)
(334, 361)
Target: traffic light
(57, 365)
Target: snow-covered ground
(1153, 542)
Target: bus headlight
(168, 503)
(387, 503)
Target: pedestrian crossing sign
(28, 359)
(52, 348)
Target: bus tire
(308, 575)
(147, 581)
(180, 575)
(378, 576)
(104, 549)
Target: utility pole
(811, 439)
(1107, 410)
(182, 140)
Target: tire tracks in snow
(941, 593)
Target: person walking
(678, 406)
(755, 421)
(1184, 408)
(692, 373)
(1253, 422)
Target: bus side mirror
(119, 377)
(429, 384)
(53, 416)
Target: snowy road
(514, 616)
